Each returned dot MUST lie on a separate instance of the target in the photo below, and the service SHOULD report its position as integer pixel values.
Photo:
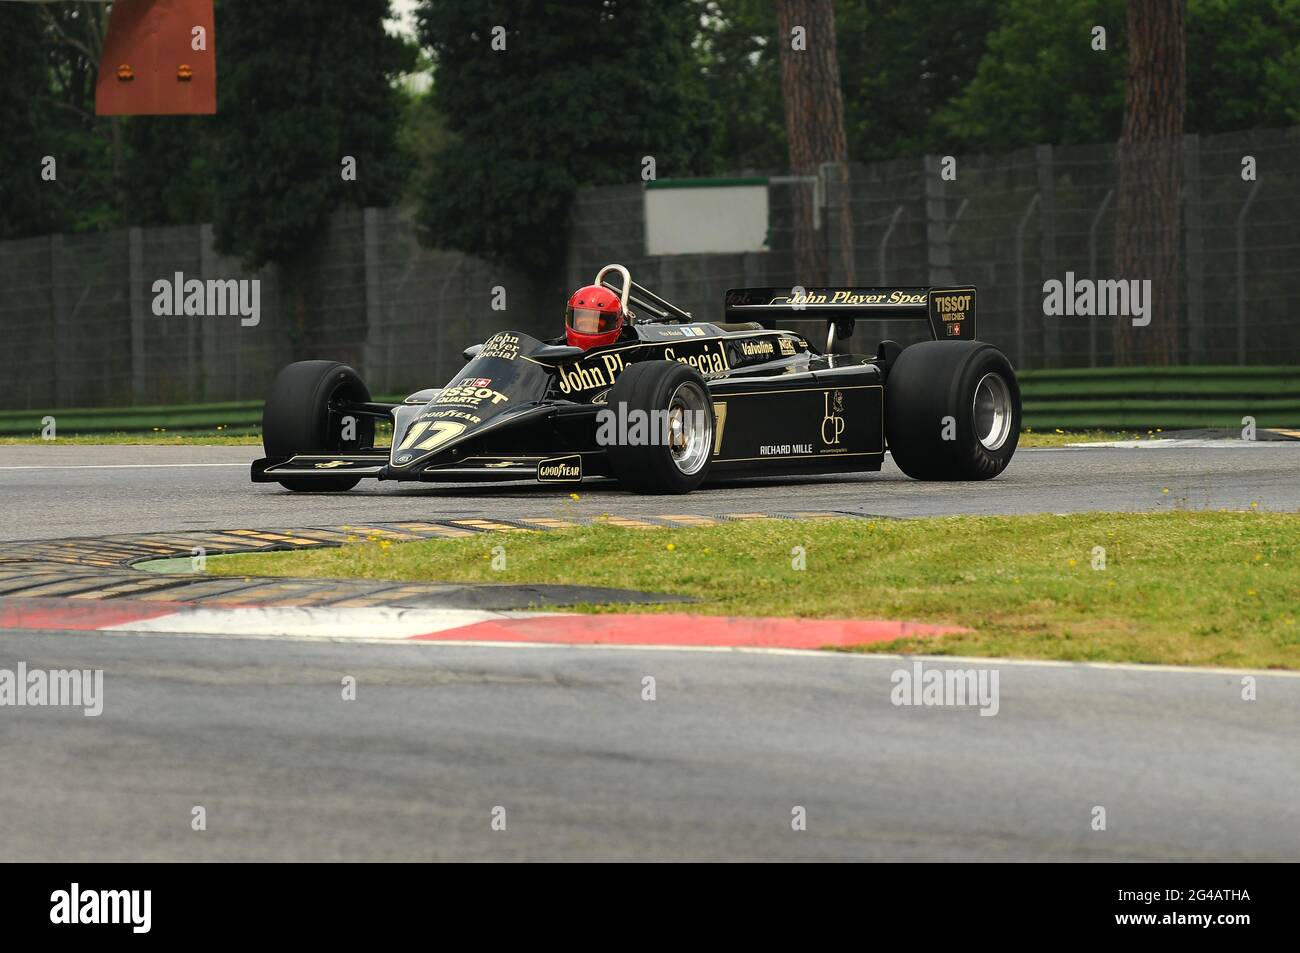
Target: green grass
(1062, 438)
(1182, 588)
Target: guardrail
(1120, 398)
(236, 416)
(1117, 398)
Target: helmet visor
(590, 321)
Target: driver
(594, 317)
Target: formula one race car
(663, 402)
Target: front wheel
(661, 438)
(297, 419)
(952, 411)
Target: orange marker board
(159, 59)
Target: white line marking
(1165, 444)
(375, 623)
(127, 466)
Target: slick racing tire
(952, 411)
(672, 451)
(297, 419)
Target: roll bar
(645, 299)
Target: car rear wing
(950, 311)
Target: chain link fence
(78, 311)
(1012, 222)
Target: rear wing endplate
(950, 311)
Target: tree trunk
(1149, 158)
(814, 124)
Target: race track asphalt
(257, 734)
(74, 491)
(256, 731)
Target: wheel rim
(992, 411)
(690, 428)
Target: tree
(814, 120)
(740, 52)
(1246, 56)
(88, 193)
(901, 63)
(544, 98)
(1149, 156)
(306, 94)
(1043, 79)
(169, 173)
(302, 86)
(22, 83)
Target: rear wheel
(678, 428)
(952, 411)
(297, 419)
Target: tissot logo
(953, 307)
(102, 907)
(470, 393)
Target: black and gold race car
(673, 402)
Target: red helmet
(593, 317)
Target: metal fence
(77, 315)
(1009, 223)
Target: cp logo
(832, 422)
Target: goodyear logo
(560, 470)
